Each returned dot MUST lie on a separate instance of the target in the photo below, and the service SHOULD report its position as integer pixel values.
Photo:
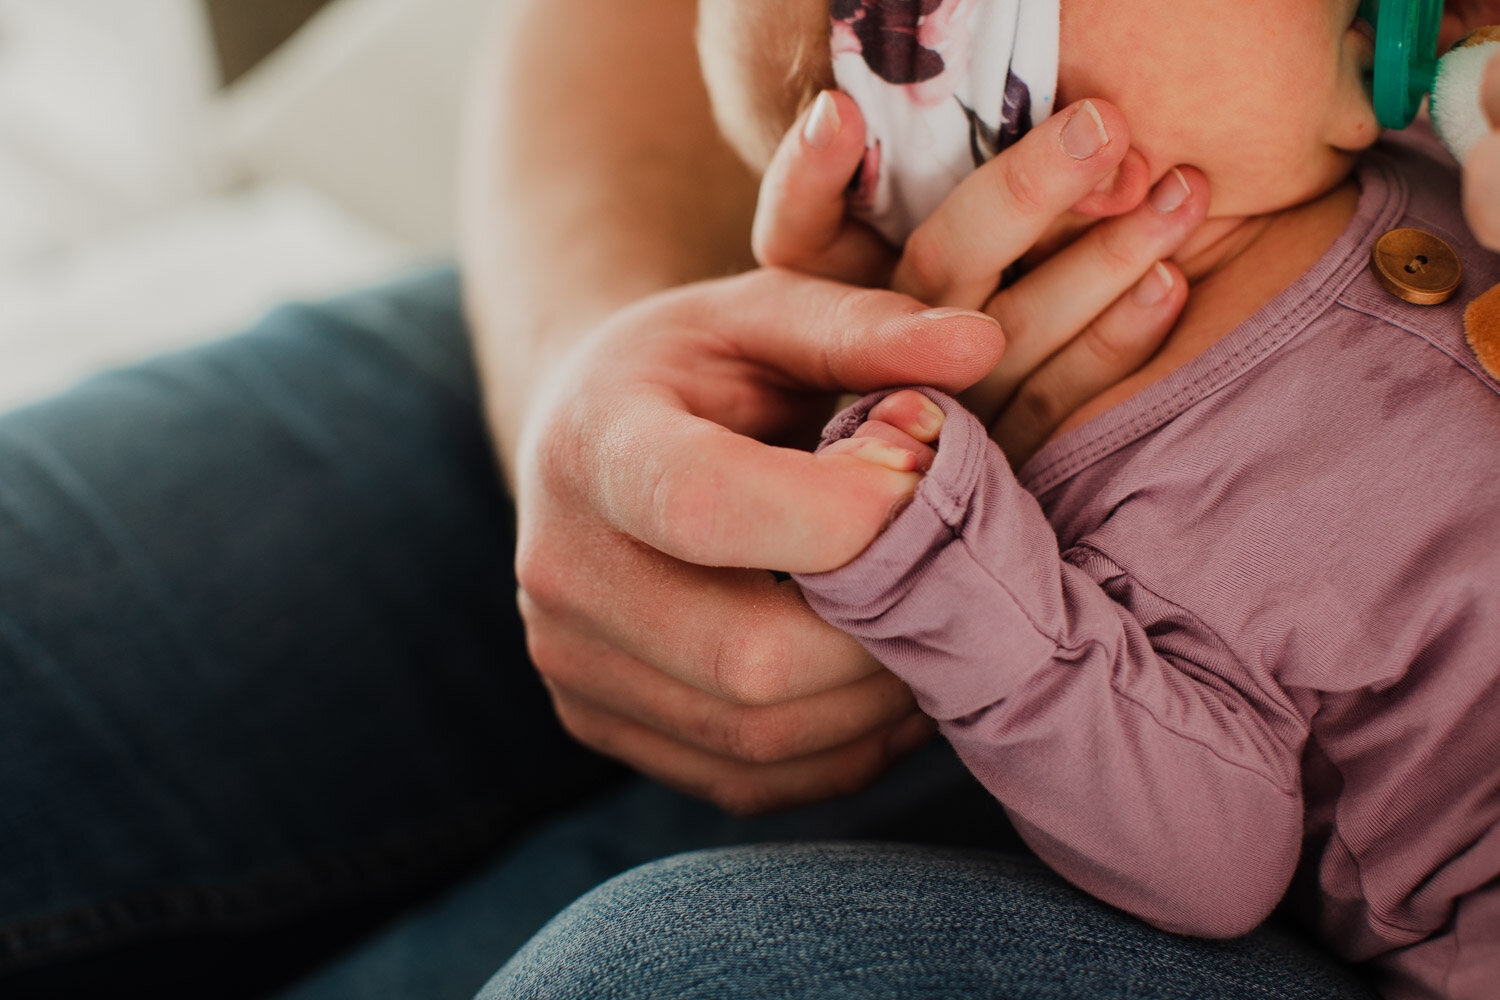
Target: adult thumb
(801, 217)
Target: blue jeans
(883, 922)
(267, 725)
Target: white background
(141, 208)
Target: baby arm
(1137, 755)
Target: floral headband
(943, 85)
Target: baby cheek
(763, 62)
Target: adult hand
(593, 176)
(644, 471)
(1078, 321)
(1482, 167)
(1462, 16)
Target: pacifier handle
(1406, 39)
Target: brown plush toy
(1482, 328)
(1460, 121)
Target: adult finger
(1118, 343)
(1482, 167)
(801, 218)
(1481, 197)
(1001, 210)
(737, 786)
(779, 508)
(739, 635)
(1051, 304)
(1462, 16)
(1490, 95)
(827, 335)
(590, 671)
(671, 460)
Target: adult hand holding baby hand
(1077, 322)
(644, 481)
(640, 474)
(643, 471)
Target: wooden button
(1416, 266)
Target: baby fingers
(910, 413)
(884, 446)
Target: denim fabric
(260, 665)
(448, 948)
(265, 712)
(882, 922)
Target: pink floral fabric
(886, 32)
(944, 85)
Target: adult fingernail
(1153, 287)
(822, 125)
(953, 312)
(1084, 134)
(1171, 191)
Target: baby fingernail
(822, 125)
(930, 420)
(884, 453)
(1084, 135)
(1153, 287)
(1171, 191)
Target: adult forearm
(593, 175)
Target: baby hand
(897, 435)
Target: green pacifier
(1406, 37)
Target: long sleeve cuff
(960, 596)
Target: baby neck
(1234, 266)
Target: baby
(1232, 636)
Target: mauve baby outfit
(1242, 631)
